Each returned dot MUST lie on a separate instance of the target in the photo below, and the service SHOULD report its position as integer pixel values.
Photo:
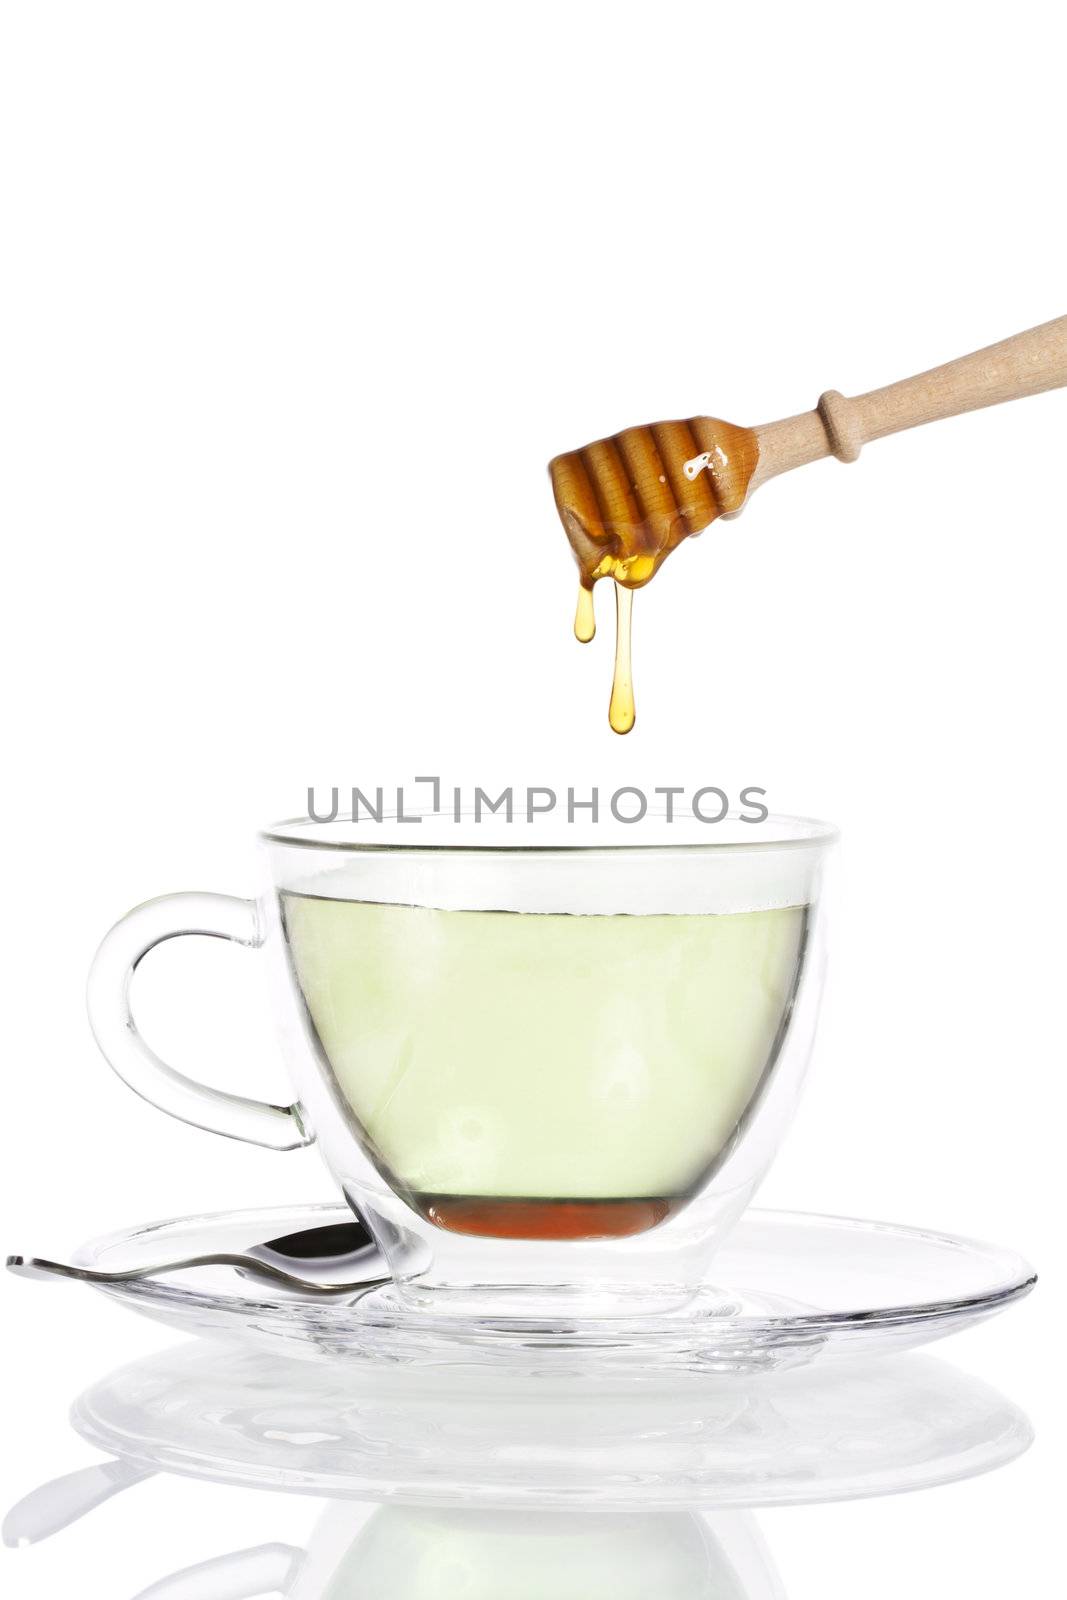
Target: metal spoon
(57, 1504)
(325, 1254)
(320, 1251)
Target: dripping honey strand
(621, 714)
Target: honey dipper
(628, 501)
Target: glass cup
(548, 1075)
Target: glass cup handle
(221, 916)
(265, 1569)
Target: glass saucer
(788, 1288)
(445, 1436)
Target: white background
(297, 303)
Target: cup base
(549, 1309)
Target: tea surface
(540, 1075)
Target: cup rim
(796, 833)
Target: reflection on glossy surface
(64, 1500)
(416, 1554)
(501, 1489)
(405, 1553)
(452, 1437)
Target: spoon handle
(1028, 363)
(40, 1267)
(55, 1505)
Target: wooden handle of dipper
(1027, 364)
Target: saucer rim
(1020, 1276)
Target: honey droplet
(585, 616)
(621, 713)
